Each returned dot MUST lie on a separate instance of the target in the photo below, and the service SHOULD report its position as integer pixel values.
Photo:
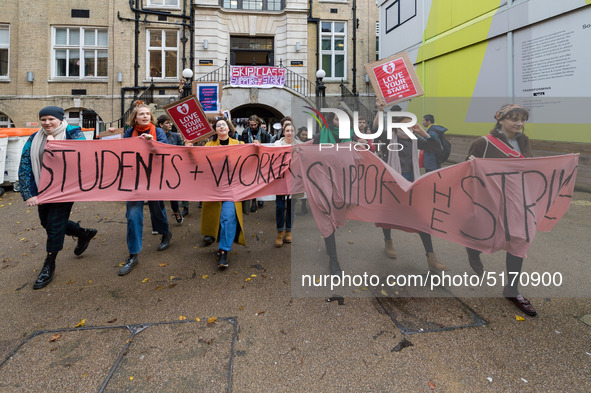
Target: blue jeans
(283, 213)
(135, 222)
(228, 225)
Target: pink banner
(257, 76)
(487, 204)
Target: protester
(54, 217)
(405, 162)
(365, 129)
(222, 221)
(330, 134)
(302, 134)
(506, 140)
(430, 159)
(142, 124)
(283, 203)
(254, 133)
(173, 139)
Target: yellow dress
(210, 211)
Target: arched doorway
(269, 114)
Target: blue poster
(208, 96)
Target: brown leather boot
(434, 264)
(389, 249)
(279, 240)
(288, 237)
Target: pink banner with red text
(487, 204)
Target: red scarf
(138, 130)
(499, 144)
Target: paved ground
(149, 331)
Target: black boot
(84, 237)
(331, 250)
(47, 270)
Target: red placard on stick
(188, 117)
(394, 78)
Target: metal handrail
(147, 97)
(293, 80)
(352, 100)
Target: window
(259, 5)
(400, 12)
(80, 52)
(4, 50)
(162, 54)
(164, 3)
(5, 121)
(333, 48)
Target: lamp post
(186, 88)
(320, 92)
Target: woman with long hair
(283, 203)
(54, 216)
(222, 221)
(506, 140)
(143, 124)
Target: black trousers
(55, 219)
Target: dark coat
(482, 148)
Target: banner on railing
(257, 76)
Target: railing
(293, 80)
(355, 103)
(147, 97)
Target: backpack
(443, 155)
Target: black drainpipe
(354, 90)
(317, 21)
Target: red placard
(189, 119)
(394, 78)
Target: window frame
(175, 7)
(82, 49)
(7, 47)
(162, 49)
(265, 6)
(332, 51)
(400, 23)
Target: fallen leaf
(171, 277)
(22, 239)
(159, 287)
(171, 286)
(131, 378)
(384, 292)
(121, 264)
(198, 319)
(163, 265)
(204, 276)
(519, 318)
(112, 320)
(363, 288)
(431, 385)
(259, 313)
(182, 318)
(81, 323)
(235, 272)
(54, 338)
(240, 308)
(253, 275)
(90, 281)
(83, 375)
(248, 279)
(146, 279)
(350, 242)
(148, 378)
(70, 282)
(212, 320)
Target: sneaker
(222, 259)
(185, 211)
(178, 216)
